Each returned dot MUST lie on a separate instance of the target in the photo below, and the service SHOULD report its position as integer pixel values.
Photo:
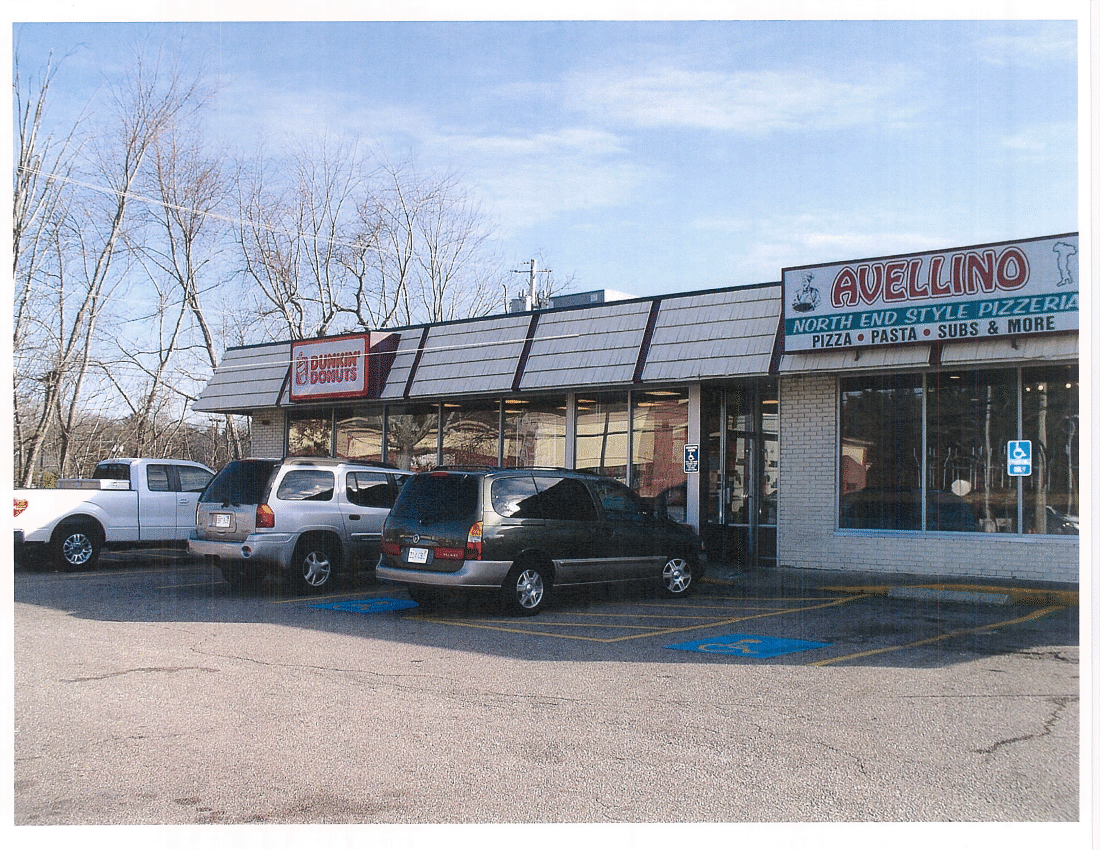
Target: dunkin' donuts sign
(329, 368)
(1006, 289)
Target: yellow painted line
(1034, 615)
(652, 633)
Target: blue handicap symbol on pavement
(368, 606)
(747, 646)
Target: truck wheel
(76, 546)
(316, 560)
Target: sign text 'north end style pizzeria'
(1005, 289)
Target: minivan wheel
(676, 576)
(526, 589)
(315, 562)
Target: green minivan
(523, 532)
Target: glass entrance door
(741, 486)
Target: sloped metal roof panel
(716, 334)
(1021, 349)
(248, 378)
(852, 360)
(478, 356)
(403, 361)
(594, 346)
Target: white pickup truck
(128, 502)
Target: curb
(977, 594)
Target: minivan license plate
(417, 555)
(223, 520)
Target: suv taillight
(473, 543)
(265, 517)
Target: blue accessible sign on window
(1019, 457)
(747, 646)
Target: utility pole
(532, 295)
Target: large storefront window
(412, 437)
(1052, 493)
(971, 418)
(471, 433)
(359, 435)
(309, 434)
(603, 434)
(534, 432)
(931, 452)
(659, 434)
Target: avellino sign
(1004, 289)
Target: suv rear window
(241, 482)
(307, 485)
(429, 498)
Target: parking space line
(704, 624)
(1034, 615)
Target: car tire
(678, 576)
(316, 563)
(76, 546)
(526, 590)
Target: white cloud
(1041, 46)
(528, 179)
(746, 102)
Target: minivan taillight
(265, 517)
(473, 543)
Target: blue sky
(663, 156)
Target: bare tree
(293, 234)
(86, 242)
(422, 252)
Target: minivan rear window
(241, 482)
(429, 498)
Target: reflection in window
(971, 418)
(534, 432)
(880, 462)
(931, 452)
(603, 436)
(412, 441)
(1052, 493)
(660, 433)
(471, 433)
(359, 435)
(309, 434)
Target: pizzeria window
(929, 452)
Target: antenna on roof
(533, 299)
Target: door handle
(354, 516)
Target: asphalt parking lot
(147, 692)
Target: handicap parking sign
(1019, 457)
(374, 605)
(747, 646)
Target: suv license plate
(417, 555)
(223, 520)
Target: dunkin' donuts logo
(301, 370)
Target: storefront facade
(853, 416)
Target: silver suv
(307, 520)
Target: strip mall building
(912, 414)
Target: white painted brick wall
(808, 538)
(269, 433)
